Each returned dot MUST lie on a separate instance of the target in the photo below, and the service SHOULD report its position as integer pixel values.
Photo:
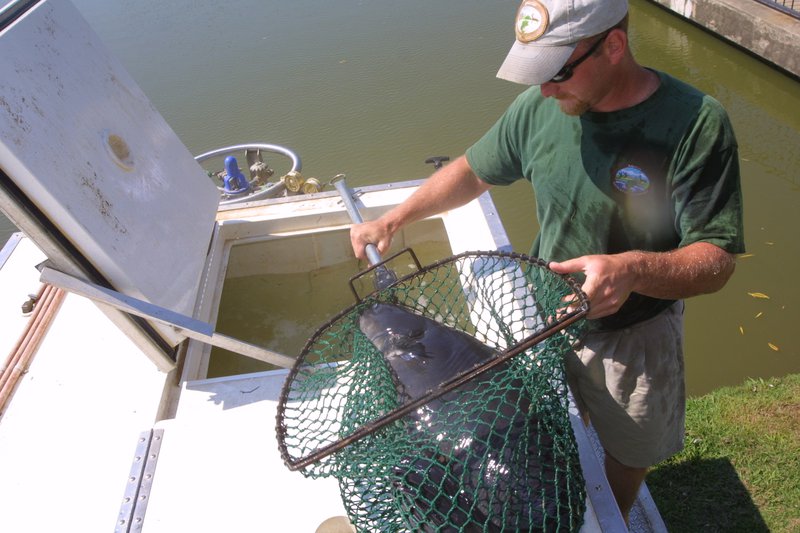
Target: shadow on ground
(704, 495)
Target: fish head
(396, 332)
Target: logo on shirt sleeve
(631, 180)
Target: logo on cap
(532, 21)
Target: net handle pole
(385, 276)
(347, 197)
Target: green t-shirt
(654, 177)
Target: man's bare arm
(698, 268)
(451, 186)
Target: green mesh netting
(440, 403)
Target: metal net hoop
(489, 447)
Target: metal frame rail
(790, 7)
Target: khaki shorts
(631, 384)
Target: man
(637, 186)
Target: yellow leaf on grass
(758, 295)
(759, 314)
(773, 346)
(744, 256)
(741, 330)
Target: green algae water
(371, 88)
(307, 301)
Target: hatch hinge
(140, 482)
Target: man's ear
(616, 44)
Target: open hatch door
(92, 173)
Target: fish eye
(416, 333)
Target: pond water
(371, 88)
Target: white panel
(83, 142)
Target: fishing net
(440, 402)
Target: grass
(740, 468)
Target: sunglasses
(567, 70)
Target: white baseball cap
(548, 32)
